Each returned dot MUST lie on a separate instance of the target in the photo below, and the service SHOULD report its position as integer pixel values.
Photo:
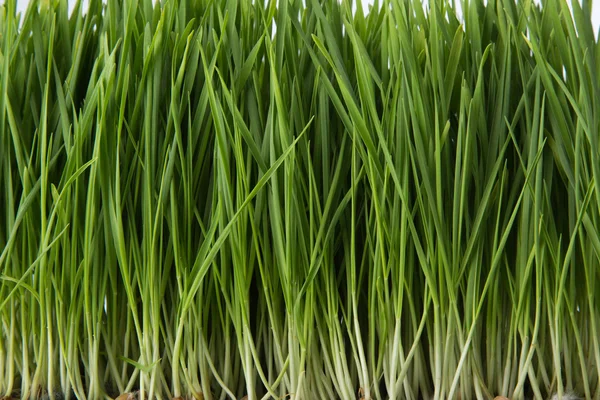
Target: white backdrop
(22, 4)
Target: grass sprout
(225, 199)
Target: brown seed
(361, 394)
(126, 396)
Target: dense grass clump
(219, 198)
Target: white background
(22, 4)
